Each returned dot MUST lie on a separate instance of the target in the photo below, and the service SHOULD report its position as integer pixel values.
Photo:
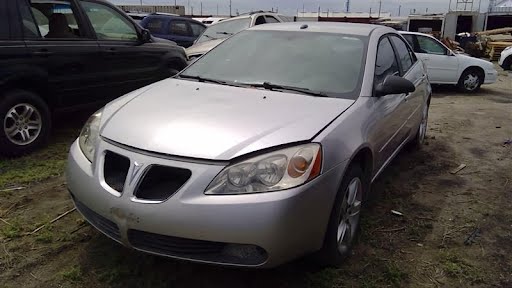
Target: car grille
(101, 223)
(115, 170)
(216, 252)
(161, 182)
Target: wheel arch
(36, 82)
(473, 67)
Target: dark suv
(64, 54)
(181, 30)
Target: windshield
(320, 62)
(224, 29)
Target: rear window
(225, 29)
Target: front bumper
(491, 76)
(279, 225)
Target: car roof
(415, 33)
(166, 16)
(329, 27)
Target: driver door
(442, 66)
(128, 63)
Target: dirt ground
(423, 248)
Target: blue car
(184, 31)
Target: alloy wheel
(471, 81)
(423, 125)
(350, 214)
(22, 124)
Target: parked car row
(64, 54)
(215, 34)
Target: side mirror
(145, 36)
(394, 85)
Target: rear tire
(25, 123)
(343, 227)
(471, 80)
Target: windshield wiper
(209, 37)
(271, 87)
(226, 33)
(209, 80)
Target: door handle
(42, 53)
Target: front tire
(471, 80)
(343, 226)
(421, 133)
(25, 123)
(507, 63)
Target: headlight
(90, 134)
(278, 170)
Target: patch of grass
(323, 279)
(456, 267)
(11, 231)
(394, 275)
(38, 166)
(45, 235)
(73, 274)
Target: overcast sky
(290, 7)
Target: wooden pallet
(495, 48)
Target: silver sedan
(260, 152)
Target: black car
(184, 31)
(66, 54)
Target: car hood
(209, 121)
(203, 47)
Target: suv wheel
(343, 226)
(25, 122)
(507, 63)
(471, 80)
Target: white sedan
(447, 67)
(506, 58)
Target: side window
(179, 28)
(430, 46)
(260, 20)
(410, 39)
(386, 61)
(108, 23)
(197, 29)
(271, 19)
(53, 19)
(404, 54)
(155, 25)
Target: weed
(323, 279)
(73, 274)
(394, 275)
(45, 236)
(12, 231)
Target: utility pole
(140, 2)
(318, 10)
(188, 5)
(380, 6)
(303, 9)
(192, 10)
(230, 8)
(370, 12)
(217, 9)
(201, 8)
(399, 8)
(348, 6)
